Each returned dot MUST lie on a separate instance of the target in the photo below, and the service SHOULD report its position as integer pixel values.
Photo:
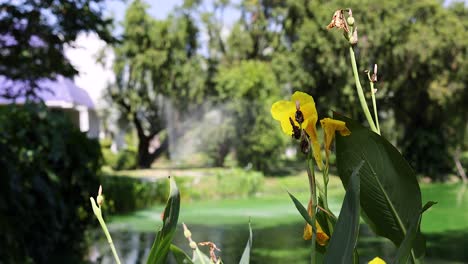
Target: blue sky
(161, 8)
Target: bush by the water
(49, 169)
(125, 194)
(225, 183)
(125, 159)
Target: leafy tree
(156, 67)
(253, 86)
(33, 35)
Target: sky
(94, 77)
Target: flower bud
(350, 21)
(100, 200)
(193, 245)
(187, 233)
(354, 38)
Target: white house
(62, 95)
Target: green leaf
(427, 206)
(180, 256)
(163, 241)
(302, 210)
(390, 194)
(346, 231)
(245, 259)
(404, 251)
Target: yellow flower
(377, 260)
(322, 237)
(284, 110)
(329, 127)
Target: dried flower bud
(374, 75)
(299, 117)
(338, 21)
(305, 146)
(296, 131)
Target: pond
(277, 229)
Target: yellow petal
(377, 260)
(281, 111)
(309, 111)
(329, 127)
(312, 131)
(321, 238)
(303, 98)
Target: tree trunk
(146, 158)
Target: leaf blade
(344, 238)
(245, 259)
(390, 194)
(163, 241)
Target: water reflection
(281, 244)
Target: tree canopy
(33, 35)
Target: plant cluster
(48, 167)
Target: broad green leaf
(163, 241)
(346, 231)
(390, 194)
(245, 259)
(180, 256)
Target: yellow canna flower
(285, 111)
(322, 237)
(377, 260)
(330, 126)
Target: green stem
(325, 198)
(313, 198)
(360, 92)
(98, 213)
(374, 105)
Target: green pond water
(277, 228)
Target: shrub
(49, 170)
(232, 183)
(126, 194)
(109, 158)
(126, 160)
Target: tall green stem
(360, 92)
(313, 198)
(98, 213)
(374, 105)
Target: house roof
(61, 92)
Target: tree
(33, 35)
(156, 67)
